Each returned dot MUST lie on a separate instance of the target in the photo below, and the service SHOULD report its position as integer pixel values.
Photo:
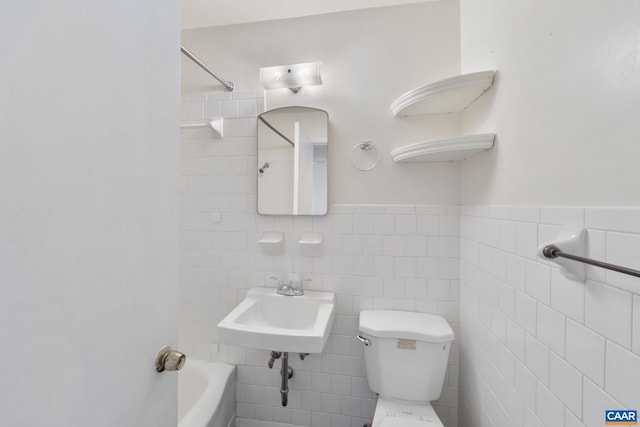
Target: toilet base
(393, 413)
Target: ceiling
(208, 13)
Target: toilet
(406, 357)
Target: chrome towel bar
(551, 252)
(228, 86)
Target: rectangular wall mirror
(292, 161)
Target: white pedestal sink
(268, 321)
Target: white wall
(383, 256)
(88, 218)
(369, 58)
(538, 349)
(565, 104)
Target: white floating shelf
(215, 124)
(443, 150)
(451, 95)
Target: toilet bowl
(406, 357)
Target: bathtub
(206, 394)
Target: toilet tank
(407, 353)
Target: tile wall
(538, 349)
(403, 257)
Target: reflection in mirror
(292, 161)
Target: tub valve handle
(169, 360)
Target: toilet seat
(390, 413)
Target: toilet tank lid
(406, 325)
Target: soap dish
(310, 244)
(272, 243)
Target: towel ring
(364, 156)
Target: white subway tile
(427, 225)
(585, 350)
(320, 419)
(608, 310)
(507, 300)
(516, 272)
(595, 402)
(352, 244)
(527, 240)
(229, 110)
(566, 383)
(525, 213)
(363, 224)
(438, 246)
(531, 419)
(508, 236)
(622, 375)
(537, 358)
(564, 216)
(614, 219)
(596, 249)
(212, 109)
(405, 266)
(394, 245)
(571, 420)
(342, 223)
(247, 108)
(548, 408)
(405, 224)
(622, 249)
(538, 281)
(416, 288)
(515, 339)
(525, 384)
(384, 224)
(567, 296)
(449, 225)
(526, 312)
(383, 266)
(194, 111)
(416, 246)
(551, 329)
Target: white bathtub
(206, 394)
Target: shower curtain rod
(229, 86)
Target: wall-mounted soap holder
(310, 244)
(272, 243)
(573, 242)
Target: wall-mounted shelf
(216, 125)
(442, 150)
(310, 244)
(450, 95)
(272, 243)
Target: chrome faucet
(290, 288)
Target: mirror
(292, 161)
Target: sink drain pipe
(284, 386)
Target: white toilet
(406, 358)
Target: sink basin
(268, 321)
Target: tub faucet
(289, 288)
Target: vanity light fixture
(293, 76)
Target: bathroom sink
(268, 321)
